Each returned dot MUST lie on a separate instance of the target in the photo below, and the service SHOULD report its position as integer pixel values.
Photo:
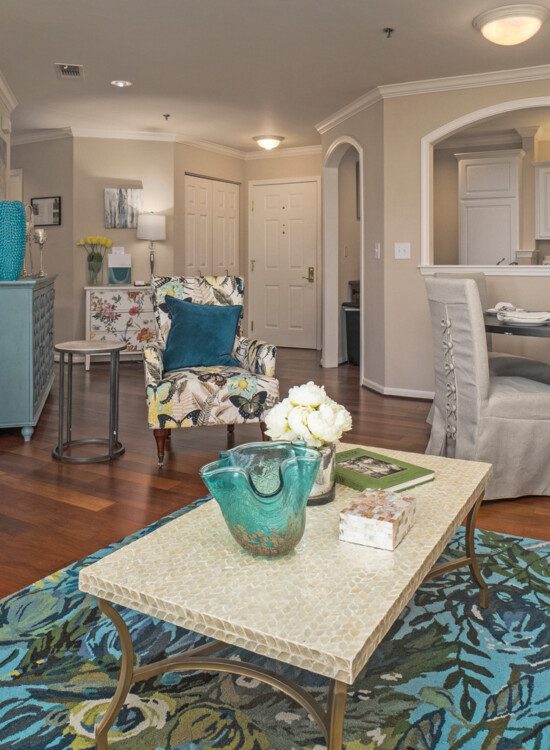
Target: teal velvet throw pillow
(200, 335)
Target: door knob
(310, 275)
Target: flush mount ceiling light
(511, 24)
(121, 84)
(268, 141)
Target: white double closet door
(284, 233)
(211, 227)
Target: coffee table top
(325, 607)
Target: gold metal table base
(470, 559)
(330, 721)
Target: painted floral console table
(120, 313)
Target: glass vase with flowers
(95, 248)
(309, 416)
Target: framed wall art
(46, 211)
(122, 206)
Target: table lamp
(151, 227)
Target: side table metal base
(118, 450)
(64, 432)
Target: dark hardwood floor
(52, 514)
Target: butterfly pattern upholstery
(199, 396)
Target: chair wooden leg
(263, 428)
(230, 435)
(161, 437)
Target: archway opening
(343, 253)
(430, 140)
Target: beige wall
(101, 163)
(367, 128)
(80, 169)
(408, 354)
(349, 236)
(398, 351)
(445, 191)
(48, 170)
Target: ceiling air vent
(65, 70)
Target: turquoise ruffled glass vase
(262, 490)
(12, 239)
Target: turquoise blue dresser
(26, 351)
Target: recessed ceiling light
(121, 84)
(511, 24)
(268, 141)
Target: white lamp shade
(151, 227)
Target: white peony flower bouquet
(308, 414)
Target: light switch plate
(377, 251)
(402, 250)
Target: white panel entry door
(283, 258)
(211, 227)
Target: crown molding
(278, 153)
(479, 139)
(145, 135)
(125, 135)
(7, 97)
(37, 136)
(433, 85)
(528, 131)
(341, 115)
(469, 81)
(216, 148)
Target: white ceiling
(227, 70)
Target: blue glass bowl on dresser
(12, 239)
(262, 490)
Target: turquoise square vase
(12, 239)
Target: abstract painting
(122, 206)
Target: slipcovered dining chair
(478, 415)
(214, 395)
(500, 363)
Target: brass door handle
(310, 275)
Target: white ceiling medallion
(268, 142)
(511, 24)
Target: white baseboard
(402, 392)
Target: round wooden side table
(64, 435)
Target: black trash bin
(351, 317)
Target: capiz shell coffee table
(325, 607)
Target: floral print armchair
(198, 396)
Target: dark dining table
(493, 325)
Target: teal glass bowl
(262, 490)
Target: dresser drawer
(124, 321)
(134, 338)
(105, 302)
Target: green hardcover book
(364, 470)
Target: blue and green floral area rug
(447, 676)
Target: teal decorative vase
(12, 239)
(262, 490)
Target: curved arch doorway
(331, 251)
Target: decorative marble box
(377, 518)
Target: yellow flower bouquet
(95, 247)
